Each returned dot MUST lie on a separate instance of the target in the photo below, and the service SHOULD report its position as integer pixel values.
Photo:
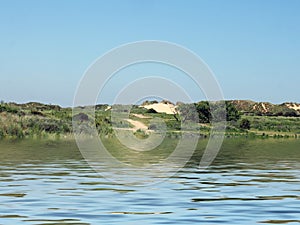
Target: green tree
(188, 112)
(203, 110)
(232, 114)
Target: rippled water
(251, 181)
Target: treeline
(206, 112)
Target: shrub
(245, 124)
(140, 134)
(151, 111)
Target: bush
(15, 131)
(151, 110)
(7, 108)
(245, 124)
(232, 113)
(141, 134)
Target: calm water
(250, 182)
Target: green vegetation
(245, 124)
(201, 111)
(141, 134)
(266, 109)
(284, 125)
(33, 119)
(40, 120)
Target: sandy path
(137, 124)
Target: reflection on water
(251, 181)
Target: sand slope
(162, 107)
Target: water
(250, 182)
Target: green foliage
(285, 112)
(245, 124)
(149, 102)
(141, 134)
(1, 134)
(188, 112)
(121, 108)
(264, 109)
(39, 120)
(276, 124)
(103, 122)
(232, 114)
(7, 108)
(2, 108)
(173, 125)
(101, 107)
(203, 110)
(15, 131)
(138, 110)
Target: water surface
(250, 182)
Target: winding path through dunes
(137, 125)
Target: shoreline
(37, 120)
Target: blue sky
(252, 46)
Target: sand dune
(293, 106)
(162, 107)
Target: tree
(203, 110)
(232, 113)
(187, 112)
(245, 124)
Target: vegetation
(245, 124)
(41, 120)
(266, 109)
(201, 111)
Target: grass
(40, 121)
(275, 125)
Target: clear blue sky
(253, 46)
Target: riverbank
(41, 121)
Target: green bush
(245, 124)
(140, 134)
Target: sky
(252, 46)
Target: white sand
(108, 108)
(264, 107)
(293, 106)
(162, 108)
